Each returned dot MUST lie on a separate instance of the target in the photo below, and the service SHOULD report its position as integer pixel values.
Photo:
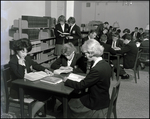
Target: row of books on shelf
(42, 55)
(35, 21)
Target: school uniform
(77, 63)
(97, 97)
(75, 33)
(118, 43)
(60, 40)
(135, 36)
(129, 52)
(18, 71)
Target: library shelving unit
(40, 32)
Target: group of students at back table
(97, 80)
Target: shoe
(125, 77)
(60, 108)
(40, 114)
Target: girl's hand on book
(49, 72)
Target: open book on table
(67, 34)
(59, 71)
(75, 77)
(34, 76)
(52, 79)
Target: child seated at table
(70, 59)
(20, 64)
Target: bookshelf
(39, 30)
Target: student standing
(75, 33)
(63, 27)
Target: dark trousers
(122, 71)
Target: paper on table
(75, 77)
(52, 79)
(33, 76)
(59, 71)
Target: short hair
(61, 18)
(93, 47)
(119, 30)
(126, 30)
(115, 35)
(128, 36)
(103, 37)
(20, 44)
(68, 48)
(136, 27)
(114, 29)
(71, 20)
(92, 31)
(141, 29)
(106, 23)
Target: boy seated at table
(21, 64)
(129, 52)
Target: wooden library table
(56, 89)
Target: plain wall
(11, 10)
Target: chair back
(6, 79)
(136, 64)
(144, 54)
(113, 100)
(106, 56)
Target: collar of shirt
(89, 37)
(98, 59)
(63, 27)
(72, 27)
(70, 61)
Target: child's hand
(49, 72)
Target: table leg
(118, 67)
(65, 106)
(21, 95)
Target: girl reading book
(20, 64)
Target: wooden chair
(113, 100)
(106, 57)
(136, 67)
(6, 79)
(112, 105)
(144, 55)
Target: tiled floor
(133, 99)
